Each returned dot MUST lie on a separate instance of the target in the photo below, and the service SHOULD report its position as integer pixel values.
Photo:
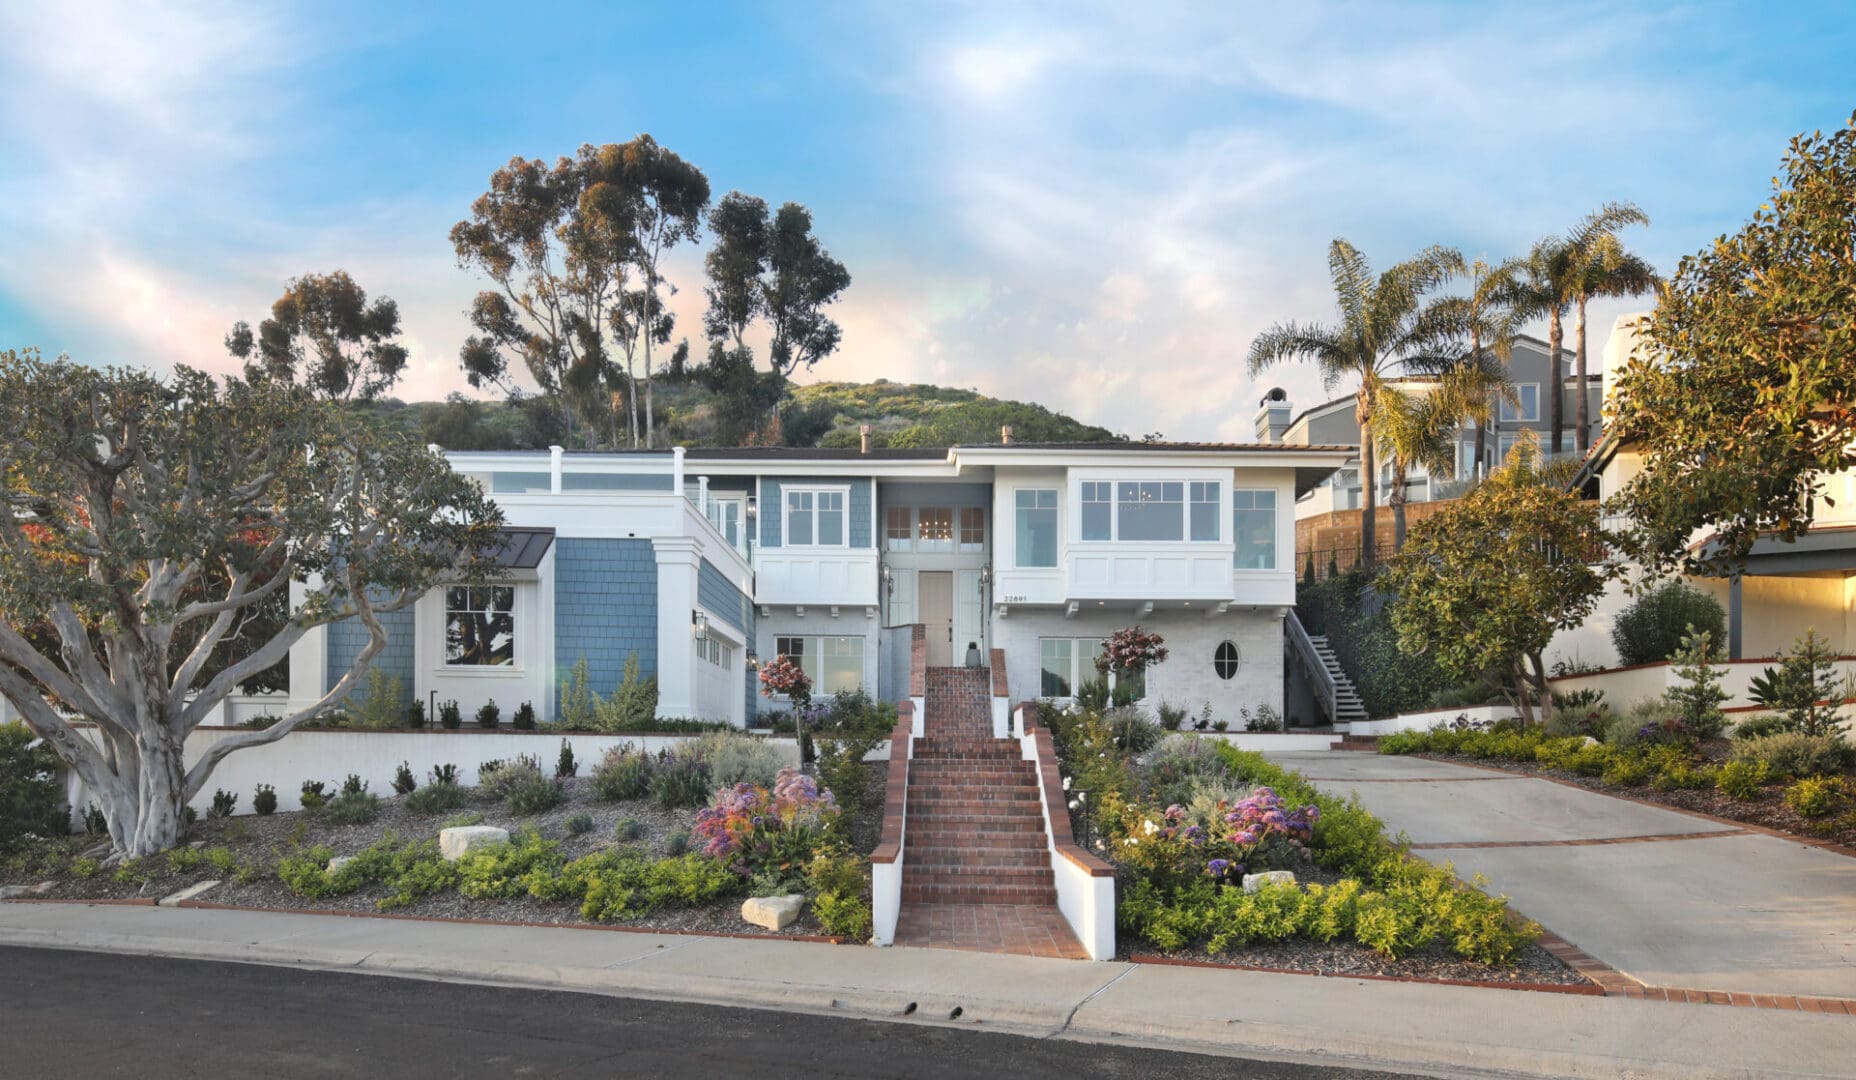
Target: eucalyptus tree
(1556, 268)
(1418, 424)
(142, 520)
(1388, 324)
(1607, 270)
(323, 332)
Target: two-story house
(704, 563)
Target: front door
(935, 601)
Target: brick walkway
(976, 866)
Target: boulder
(338, 862)
(1252, 882)
(456, 843)
(43, 888)
(1590, 742)
(14, 892)
(773, 912)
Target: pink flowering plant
(782, 676)
(754, 829)
(1256, 833)
(1132, 650)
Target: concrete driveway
(1667, 898)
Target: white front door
(935, 602)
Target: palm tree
(1608, 270)
(1492, 312)
(1555, 268)
(1418, 429)
(1386, 327)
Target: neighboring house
(703, 563)
(1530, 369)
(1784, 588)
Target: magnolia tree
(1485, 584)
(147, 524)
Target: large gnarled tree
(143, 522)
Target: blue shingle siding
(773, 507)
(605, 608)
(724, 601)
(347, 638)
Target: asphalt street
(81, 1014)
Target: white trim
(787, 491)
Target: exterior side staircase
(1347, 704)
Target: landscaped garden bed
(1186, 819)
(667, 841)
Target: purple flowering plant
(1259, 831)
(752, 828)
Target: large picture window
(1067, 663)
(1150, 510)
(480, 626)
(834, 664)
(1528, 394)
(815, 517)
(1254, 528)
(1037, 527)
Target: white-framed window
(934, 529)
(1150, 510)
(815, 517)
(1529, 396)
(972, 529)
(833, 664)
(1037, 527)
(480, 626)
(1504, 445)
(1098, 514)
(715, 651)
(725, 514)
(1253, 528)
(1066, 664)
(898, 528)
(1226, 659)
(1203, 508)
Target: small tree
(1805, 686)
(1127, 654)
(1485, 584)
(143, 520)
(1698, 697)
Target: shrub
(489, 715)
(313, 795)
(1266, 718)
(500, 782)
(498, 871)
(1171, 716)
(1741, 779)
(31, 799)
(677, 843)
(1176, 769)
(462, 821)
(1652, 627)
(1763, 724)
(415, 715)
(95, 824)
(565, 764)
(403, 782)
(354, 785)
(224, 802)
(436, 797)
(629, 830)
(579, 704)
(1699, 696)
(383, 706)
(535, 794)
(443, 774)
(737, 758)
(1680, 776)
(1793, 754)
(264, 800)
(1627, 770)
(352, 808)
(840, 894)
(1131, 730)
(408, 871)
(623, 773)
(1815, 796)
(756, 830)
(450, 717)
(633, 706)
(580, 823)
(524, 719)
(681, 780)
(621, 885)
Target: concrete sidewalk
(1438, 1030)
(1668, 898)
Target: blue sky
(1090, 206)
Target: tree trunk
(1482, 425)
(1544, 688)
(143, 805)
(1369, 551)
(1396, 498)
(1581, 434)
(1556, 336)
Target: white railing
(1318, 674)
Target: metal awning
(523, 549)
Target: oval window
(1226, 660)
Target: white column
(679, 560)
(676, 470)
(554, 469)
(309, 657)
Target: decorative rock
(338, 862)
(188, 893)
(773, 912)
(1252, 882)
(43, 888)
(458, 842)
(1589, 741)
(14, 892)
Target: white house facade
(702, 563)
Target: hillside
(819, 414)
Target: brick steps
(1021, 836)
(972, 858)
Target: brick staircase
(976, 866)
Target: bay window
(1098, 512)
(1204, 509)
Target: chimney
(1005, 435)
(863, 437)
(1272, 416)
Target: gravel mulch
(1768, 811)
(266, 839)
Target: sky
(1094, 207)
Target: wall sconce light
(753, 660)
(699, 623)
(985, 577)
(889, 579)
(753, 507)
